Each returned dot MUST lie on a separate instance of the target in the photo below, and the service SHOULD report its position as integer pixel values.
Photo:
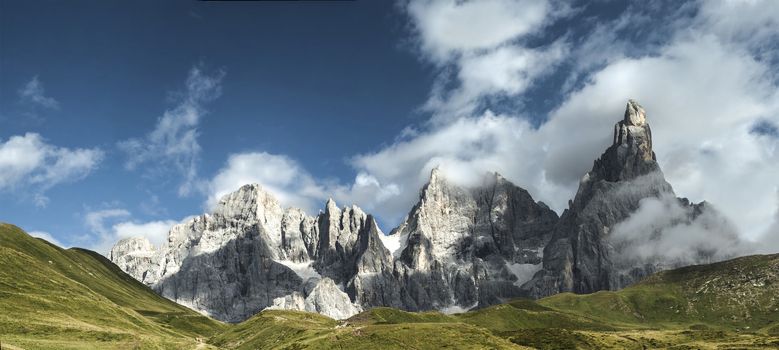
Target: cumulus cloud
(449, 28)
(280, 175)
(48, 237)
(107, 226)
(29, 164)
(769, 241)
(155, 231)
(174, 140)
(33, 92)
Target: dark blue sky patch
(765, 128)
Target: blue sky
(122, 118)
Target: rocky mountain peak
(634, 114)
(250, 201)
(436, 180)
(331, 206)
(631, 153)
(435, 173)
(633, 130)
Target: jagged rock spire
(634, 129)
(634, 114)
(631, 153)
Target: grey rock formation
(324, 298)
(470, 247)
(236, 261)
(581, 257)
(460, 248)
(138, 257)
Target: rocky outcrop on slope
(581, 257)
(324, 298)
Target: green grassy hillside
(56, 298)
(738, 294)
(382, 328)
(52, 298)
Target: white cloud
(447, 28)
(752, 23)
(155, 231)
(662, 230)
(769, 241)
(478, 45)
(96, 220)
(280, 175)
(48, 237)
(174, 140)
(107, 226)
(293, 185)
(508, 70)
(27, 162)
(33, 92)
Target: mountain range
(54, 298)
(471, 267)
(459, 248)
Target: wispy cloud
(33, 92)
(174, 140)
(479, 48)
(30, 165)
